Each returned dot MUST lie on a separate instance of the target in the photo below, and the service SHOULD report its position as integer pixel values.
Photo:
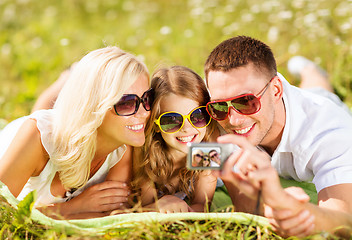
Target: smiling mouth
(186, 139)
(243, 131)
(136, 128)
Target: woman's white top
(42, 183)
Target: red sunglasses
(245, 104)
(129, 103)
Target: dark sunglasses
(171, 122)
(129, 103)
(245, 104)
(214, 155)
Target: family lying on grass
(114, 139)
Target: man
(302, 135)
(215, 157)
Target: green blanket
(100, 225)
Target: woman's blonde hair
(95, 84)
(156, 162)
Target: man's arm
(291, 216)
(255, 172)
(338, 199)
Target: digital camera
(202, 156)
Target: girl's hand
(172, 204)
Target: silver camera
(202, 156)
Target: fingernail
(306, 213)
(235, 169)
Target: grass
(13, 226)
(17, 224)
(39, 39)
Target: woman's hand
(99, 198)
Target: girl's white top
(43, 182)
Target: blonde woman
(66, 153)
(178, 116)
(197, 157)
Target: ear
(277, 88)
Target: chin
(137, 142)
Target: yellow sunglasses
(171, 122)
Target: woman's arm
(47, 98)
(24, 158)
(203, 192)
(103, 198)
(96, 201)
(122, 173)
(100, 199)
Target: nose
(187, 125)
(235, 118)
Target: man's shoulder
(311, 111)
(312, 122)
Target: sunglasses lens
(248, 104)
(171, 122)
(127, 105)
(199, 117)
(147, 99)
(218, 110)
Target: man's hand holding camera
(250, 170)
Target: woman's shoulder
(45, 115)
(44, 124)
(30, 141)
(25, 156)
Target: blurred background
(40, 38)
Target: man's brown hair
(240, 51)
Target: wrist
(65, 208)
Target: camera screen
(206, 157)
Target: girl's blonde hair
(156, 162)
(95, 84)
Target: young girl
(66, 153)
(178, 117)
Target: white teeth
(136, 127)
(244, 130)
(186, 139)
